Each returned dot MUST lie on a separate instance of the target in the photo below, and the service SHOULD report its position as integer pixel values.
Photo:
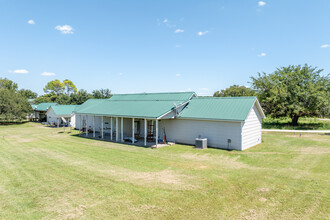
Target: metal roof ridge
(144, 93)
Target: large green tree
(293, 91)
(28, 93)
(102, 94)
(8, 84)
(80, 97)
(13, 106)
(235, 90)
(56, 87)
(69, 87)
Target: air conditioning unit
(201, 143)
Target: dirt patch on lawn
(168, 178)
(64, 207)
(220, 160)
(163, 179)
(25, 140)
(264, 189)
(252, 214)
(314, 150)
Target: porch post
(93, 126)
(132, 130)
(145, 132)
(102, 135)
(122, 129)
(156, 132)
(111, 128)
(117, 139)
(79, 123)
(86, 125)
(58, 123)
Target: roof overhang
(261, 112)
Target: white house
(61, 115)
(232, 123)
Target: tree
(79, 97)
(8, 84)
(102, 94)
(235, 90)
(28, 93)
(293, 91)
(63, 99)
(13, 106)
(48, 98)
(55, 86)
(69, 87)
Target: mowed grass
(46, 173)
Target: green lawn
(45, 173)
(303, 124)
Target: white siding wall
(251, 130)
(51, 117)
(73, 121)
(217, 133)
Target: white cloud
(65, 29)
(325, 45)
(262, 55)
(261, 3)
(31, 21)
(201, 33)
(120, 74)
(178, 31)
(165, 20)
(47, 74)
(19, 71)
(178, 75)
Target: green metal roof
(139, 105)
(43, 106)
(170, 96)
(64, 109)
(33, 106)
(138, 109)
(222, 108)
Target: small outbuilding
(61, 115)
(39, 111)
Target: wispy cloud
(19, 71)
(325, 45)
(262, 55)
(166, 22)
(65, 29)
(47, 74)
(120, 74)
(201, 33)
(203, 89)
(178, 31)
(31, 21)
(178, 75)
(178, 45)
(261, 3)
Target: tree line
(292, 91)
(15, 104)
(66, 93)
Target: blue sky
(157, 46)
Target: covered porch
(137, 131)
